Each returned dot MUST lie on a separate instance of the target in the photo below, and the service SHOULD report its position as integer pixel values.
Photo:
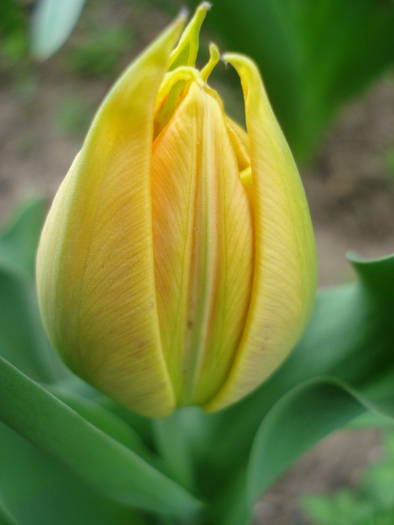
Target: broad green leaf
(37, 490)
(106, 465)
(19, 241)
(53, 22)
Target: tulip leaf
(103, 463)
(22, 337)
(301, 418)
(19, 242)
(23, 340)
(53, 22)
(37, 490)
(109, 423)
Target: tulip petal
(95, 267)
(285, 262)
(203, 242)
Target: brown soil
(348, 188)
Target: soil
(349, 188)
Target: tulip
(177, 263)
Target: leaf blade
(101, 461)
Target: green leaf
(5, 516)
(301, 418)
(19, 242)
(319, 508)
(37, 490)
(23, 341)
(109, 423)
(105, 464)
(53, 22)
(379, 484)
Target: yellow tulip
(177, 263)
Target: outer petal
(285, 261)
(95, 269)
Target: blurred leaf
(314, 55)
(52, 24)
(301, 418)
(319, 508)
(371, 420)
(22, 337)
(19, 242)
(23, 340)
(38, 490)
(379, 482)
(343, 508)
(99, 55)
(13, 31)
(105, 464)
(371, 504)
(5, 516)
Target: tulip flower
(177, 263)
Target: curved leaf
(102, 462)
(302, 417)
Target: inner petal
(203, 246)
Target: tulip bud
(177, 263)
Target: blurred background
(328, 68)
